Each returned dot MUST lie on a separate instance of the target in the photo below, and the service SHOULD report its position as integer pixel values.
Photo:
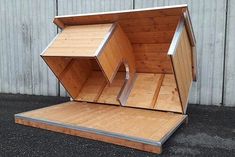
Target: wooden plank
(77, 118)
(150, 48)
(117, 51)
(93, 136)
(149, 21)
(146, 66)
(79, 41)
(182, 62)
(168, 98)
(113, 54)
(111, 91)
(75, 76)
(143, 27)
(115, 16)
(157, 90)
(143, 91)
(72, 73)
(57, 64)
(151, 37)
(92, 88)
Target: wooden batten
(131, 69)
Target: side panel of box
(182, 63)
(116, 51)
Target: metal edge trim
(176, 37)
(105, 40)
(128, 85)
(49, 44)
(189, 27)
(125, 11)
(164, 139)
(91, 130)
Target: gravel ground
(210, 132)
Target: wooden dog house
(128, 73)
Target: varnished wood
(143, 91)
(117, 51)
(70, 117)
(92, 88)
(168, 98)
(78, 41)
(111, 91)
(143, 60)
(147, 26)
(182, 62)
(72, 73)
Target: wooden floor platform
(150, 91)
(141, 129)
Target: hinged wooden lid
(152, 45)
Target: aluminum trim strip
(90, 130)
(125, 11)
(164, 139)
(176, 37)
(105, 40)
(49, 44)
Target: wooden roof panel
(78, 41)
(114, 16)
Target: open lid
(140, 23)
(153, 40)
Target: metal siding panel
(66, 7)
(26, 31)
(229, 94)
(208, 18)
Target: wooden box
(128, 73)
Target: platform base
(144, 130)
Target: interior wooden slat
(168, 98)
(143, 90)
(142, 27)
(92, 88)
(111, 91)
(150, 48)
(150, 37)
(146, 66)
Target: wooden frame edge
(124, 11)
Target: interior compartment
(86, 82)
(154, 86)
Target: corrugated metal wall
(229, 77)
(27, 28)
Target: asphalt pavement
(209, 132)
